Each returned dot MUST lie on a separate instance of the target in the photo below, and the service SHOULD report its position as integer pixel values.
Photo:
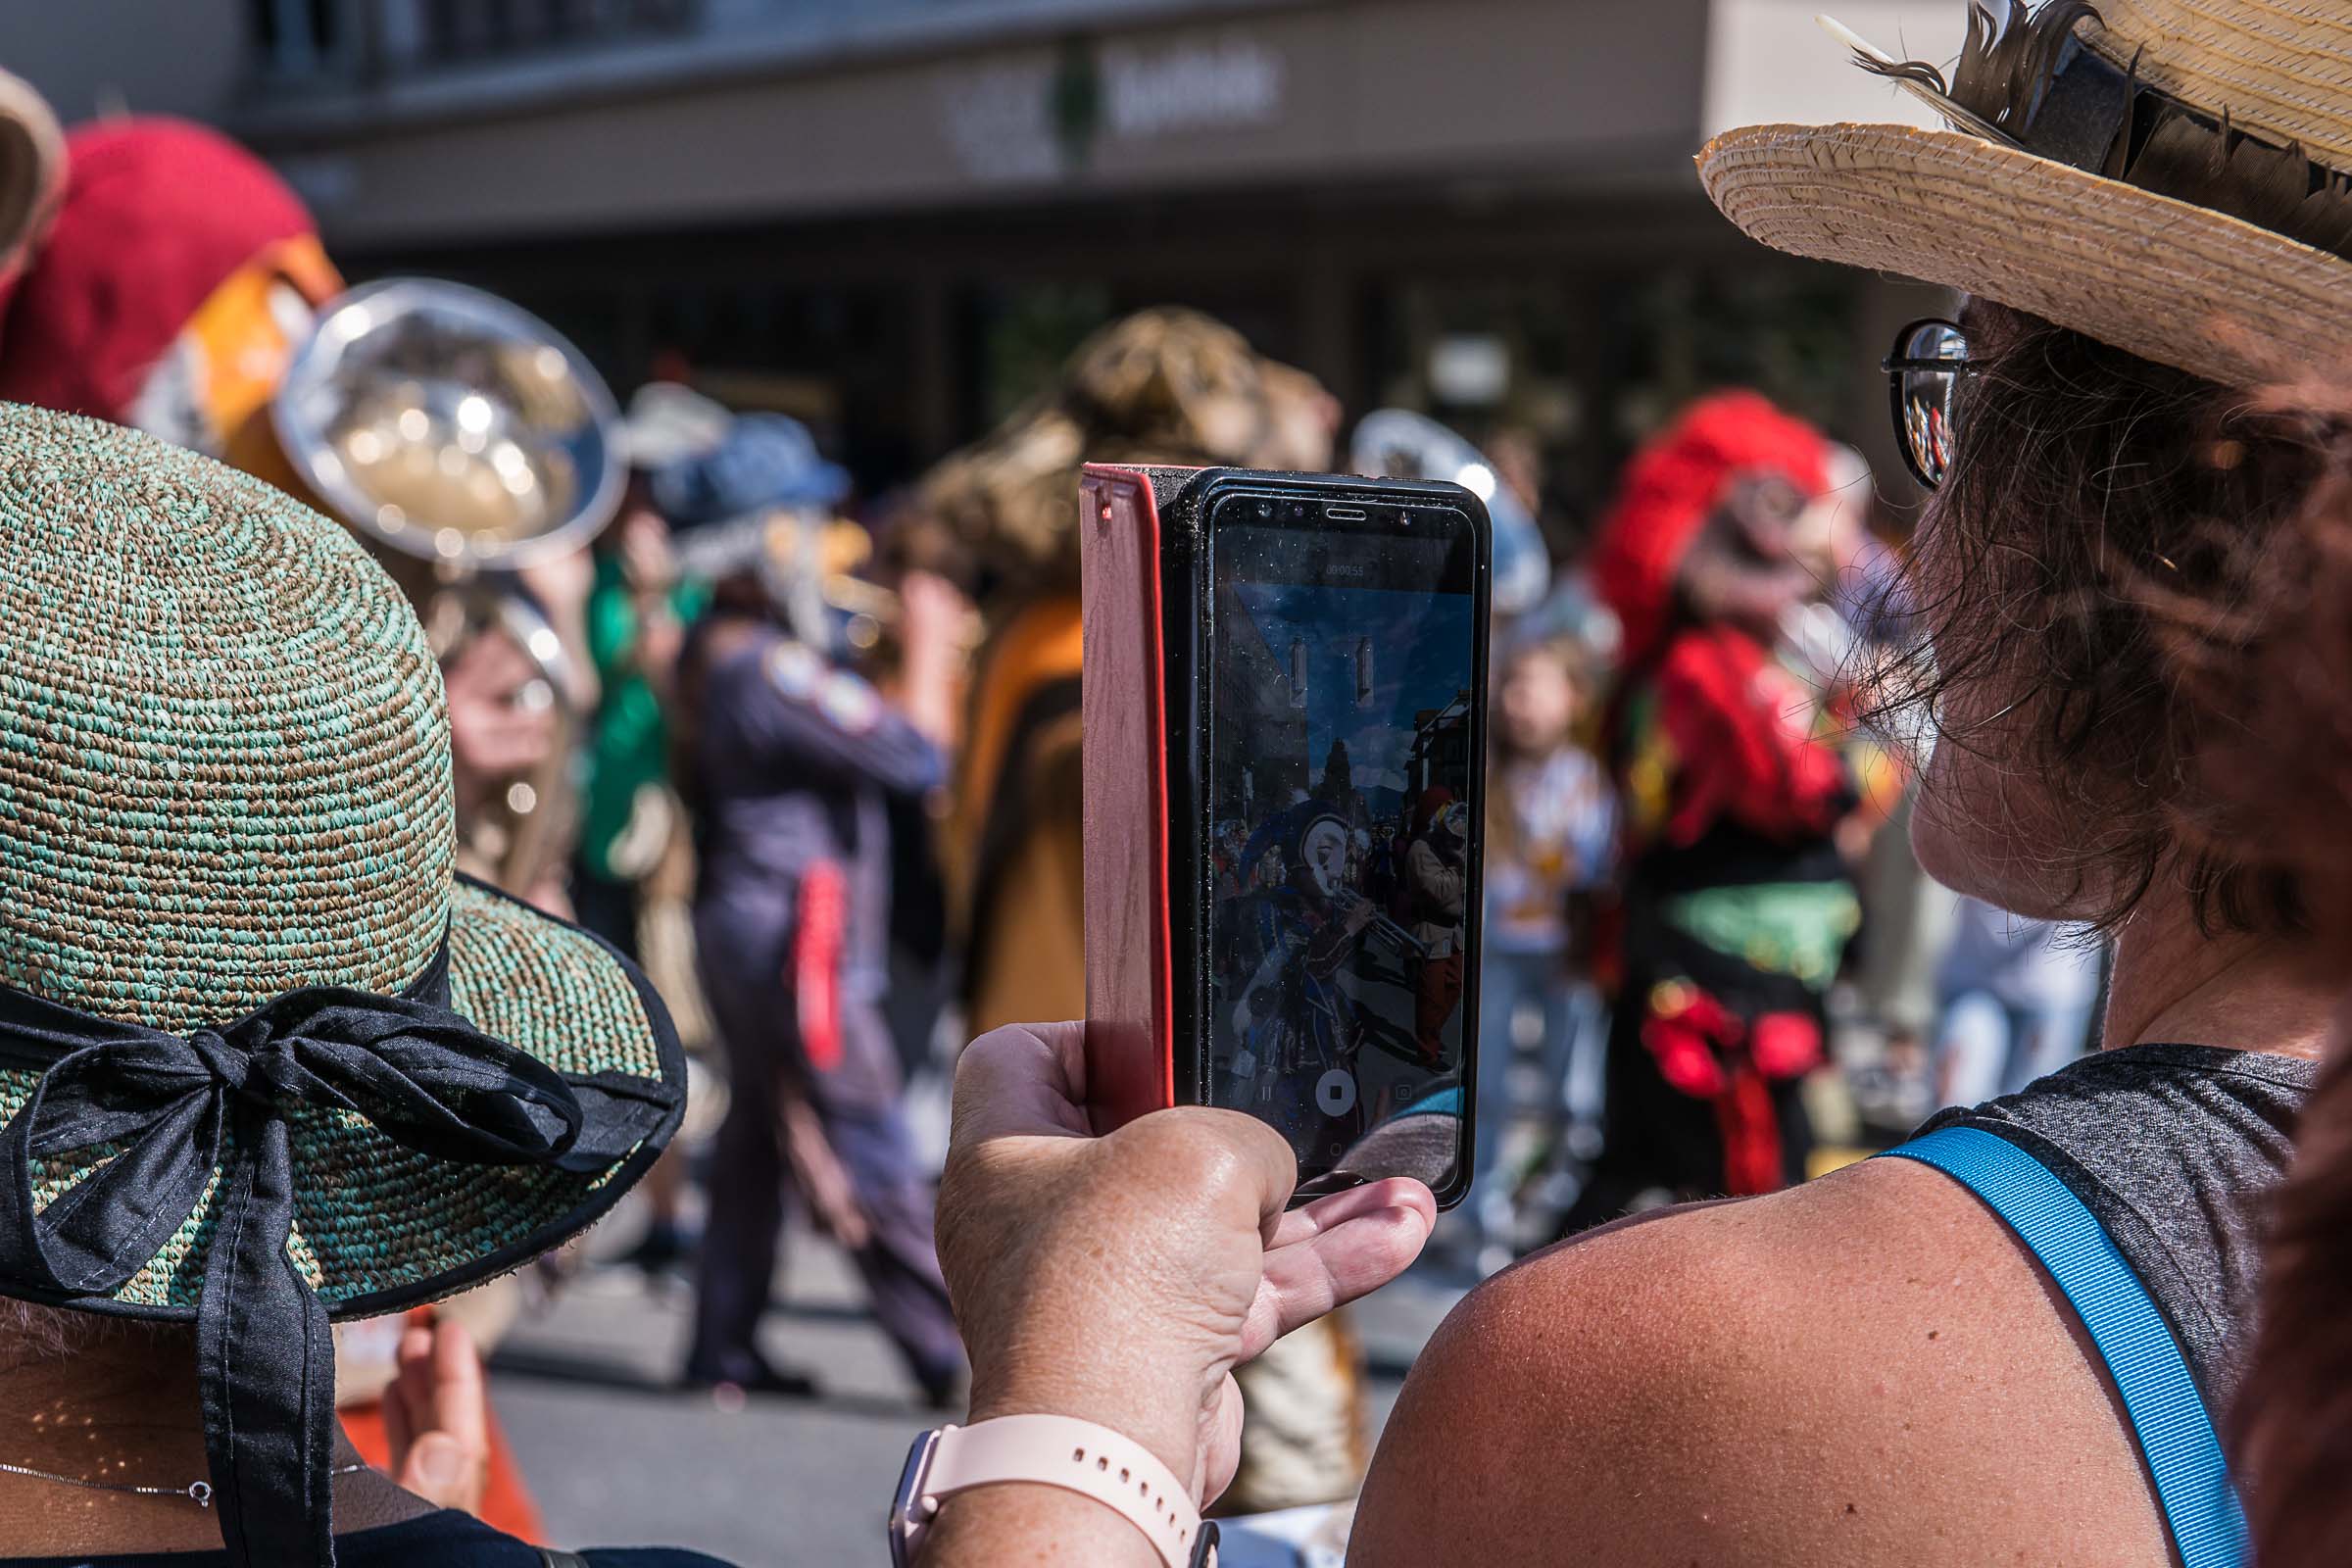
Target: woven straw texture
(2157, 277)
(224, 774)
(2282, 69)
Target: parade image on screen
(1339, 777)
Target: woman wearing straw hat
(2016, 1340)
(2012, 1343)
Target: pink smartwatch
(1053, 1451)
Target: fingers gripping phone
(1285, 701)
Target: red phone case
(1130, 1043)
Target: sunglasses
(1923, 386)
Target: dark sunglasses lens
(1926, 401)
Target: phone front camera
(1265, 508)
(1404, 519)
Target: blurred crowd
(827, 757)
(811, 756)
(791, 756)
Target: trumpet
(465, 439)
(814, 567)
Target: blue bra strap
(2168, 1416)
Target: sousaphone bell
(466, 438)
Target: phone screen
(1343, 732)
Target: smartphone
(1285, 813)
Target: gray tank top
(2173, 1147)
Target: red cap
(1672, 486)
(157, 215)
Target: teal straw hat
(241, 989)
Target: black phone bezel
(1186, 632)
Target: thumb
(439, 1460)
(1334, 1250)
(441, 1471)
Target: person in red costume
(1736, 902)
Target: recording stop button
(1334, 1092)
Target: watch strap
(1078, 1456)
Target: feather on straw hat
(2172, 177)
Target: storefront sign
(1042, 118)
(1190, 86)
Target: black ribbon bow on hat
(180, 1108)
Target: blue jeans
(1986, 1048)
(1569, 1055)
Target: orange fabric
(244, 347)
(1041, 642)
(506, 1506)
(1041, 972)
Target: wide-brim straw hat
(224, 768)
(2232, 273)
(224, 774)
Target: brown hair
(39, 1336)
(1163, 385)
(2291, 1431)
(2278, 797)
(2097, 505)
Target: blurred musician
(476, 454)
(789, 760)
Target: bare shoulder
(1859, 1367)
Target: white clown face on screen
(1324, 851)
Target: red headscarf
(1672, 486)
(157, 214)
